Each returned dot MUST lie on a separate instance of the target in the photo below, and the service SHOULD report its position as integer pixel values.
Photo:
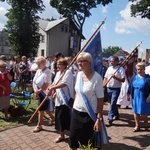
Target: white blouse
(68, 90)
(42, 77)
(93, 89)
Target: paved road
(121, 136)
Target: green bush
(88, 147)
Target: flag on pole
(130, 64)
(95, 49)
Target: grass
(20, 120)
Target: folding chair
(12, 95)
(13, 86)
(25, 99)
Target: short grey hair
(86, 56)
(40, 59)
(141, 65)
(23, 57)
(2, 63)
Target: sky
(120, 29)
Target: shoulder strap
(64, 97)
(85, 99)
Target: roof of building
(47, 25)
(121, 53)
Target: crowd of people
(54, 78)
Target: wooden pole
(36, 111)
(125, 61)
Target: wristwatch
(100, 118)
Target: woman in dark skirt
(41, 81)
(81, 128)
(62, 121)
(62, 88)
(82, 125)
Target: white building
(60, 35)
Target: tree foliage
(111, 49)
(77, 10)
(141, 8)
(22, 26)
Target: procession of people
(55, 79)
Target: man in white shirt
(113, 79)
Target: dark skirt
(46, 104)
(4, 102)
(25, 78)
(81, 129)
(62, 118)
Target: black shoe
(136, 129)
(108, 124)
(119, 106)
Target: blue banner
(95, 49)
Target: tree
(141, 8)
(22, 26)
(77, 10)
(111, 50)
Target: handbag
(96, 140)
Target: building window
(42, 38)
(66, 29)
(9, 51)
(75, 44)
(148, 50)
(1, 39)
(6, 42)
(2, 49)
(71, 32)
(62, 28)
(42, 52)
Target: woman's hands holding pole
(49, 91)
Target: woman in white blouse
(82, 125)
(41, 81)
(63, 87)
